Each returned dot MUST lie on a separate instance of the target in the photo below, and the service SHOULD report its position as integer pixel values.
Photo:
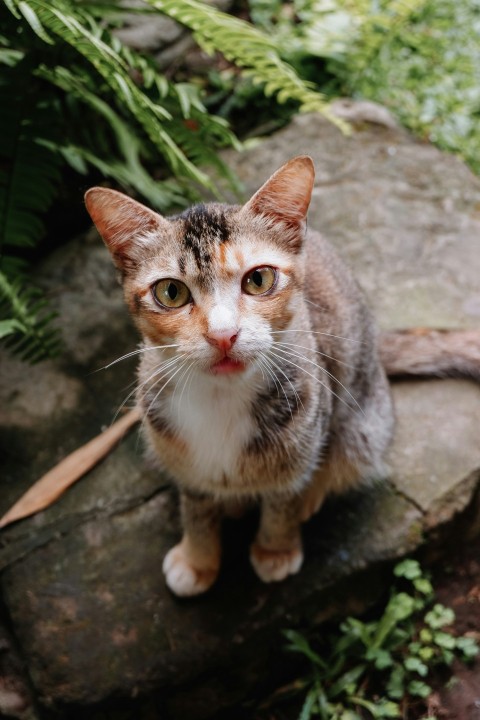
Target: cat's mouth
(227, 365)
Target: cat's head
(217, 280)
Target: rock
(169, 42)
(363, 111)
(82, 581)
(16, 698)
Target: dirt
(457, 585)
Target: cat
(260, 375)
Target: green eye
(171, 293)
(259, 281)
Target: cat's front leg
(277, 549)
(192, 566)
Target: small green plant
(371, 668)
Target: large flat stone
(82, 582)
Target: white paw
(275, 565)
(182, 577)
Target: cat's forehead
(214, 240)
(208, 224)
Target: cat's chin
(227, 366)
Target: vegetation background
(77, 101)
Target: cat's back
(331, 291)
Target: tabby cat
(260, 376)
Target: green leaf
(419, 688)
(444, 640)
(381, 658)
(426, 635)
(396, 683)
(33, 339)
(379, 709)
(348, 681)
(423, 586)
(32, 18)
(249, 49)
(439, 616)
(414, 664)
(468, 647)
(426, 654)
(409, 569)
(8, 327)
(308, 706)
(299, 643)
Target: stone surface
(16, 697)
(168, 41)
(81, 582)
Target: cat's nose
(223, 340)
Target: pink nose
(222, 340)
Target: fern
(124, 166)
(29, 171)
(30, 332)
(57, 19)
(87, 112)
(29, 178)
(248, 48)
(107, 107)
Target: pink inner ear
(118, 218)
(286, 195)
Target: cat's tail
(431, 353)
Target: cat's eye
(171, 293)
(259, 281)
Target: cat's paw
(275, 565)
(183, 578)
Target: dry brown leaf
(51, 485)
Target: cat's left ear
(285, 197)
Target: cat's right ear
(123, 223)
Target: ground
(457, 582)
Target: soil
(457, 585)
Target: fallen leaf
(54, 483)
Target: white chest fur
(214, 420)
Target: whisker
(135, 352)
(302, 357)
(162, 388)
(297, 396)
(318, 352)
(188, 383)
(163, 366)
(318, 332)
(270, 361)
(285, 359)
(316, 305)
(183, 378)
(283, 390)
(264, 362)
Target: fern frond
(73, 25)
(29, 170)
(125, 165)
(28, 332)
(248, 48)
